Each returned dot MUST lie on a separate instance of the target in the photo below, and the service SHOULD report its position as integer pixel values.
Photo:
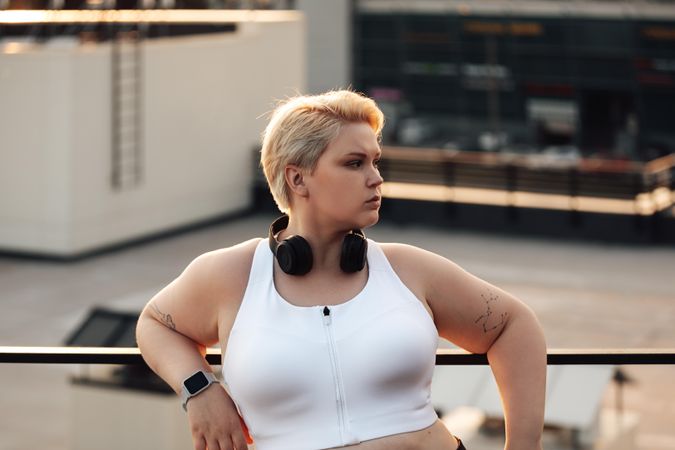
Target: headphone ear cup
(294, 256)
(354, 250)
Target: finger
(226, 444)
(199, 443)
(212, 444)
(239, 442)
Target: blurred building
(592, 79)
(122, 125)
(559, 109)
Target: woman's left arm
(482, 318)
(517, 357)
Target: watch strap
(186, 395)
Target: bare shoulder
(425, 269)
(226, 268)
(467, 310)
(413, 265)
(210, 288)
(410, 260)
(402, 252)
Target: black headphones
(295, 255)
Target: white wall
(202, 98)
(329, 40)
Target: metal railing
(590, 185)
(444, 357)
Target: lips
(373, 202)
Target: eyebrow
(364, 154)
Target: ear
(295, 179)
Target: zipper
(339, 395)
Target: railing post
(573, 192)
(512, 212)
(449, 174)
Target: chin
(370, 220)
(357, 219)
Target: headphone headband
(279, 224)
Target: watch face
(196, 382)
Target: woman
(329, 339)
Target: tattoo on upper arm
(165, 318)
(484, 318)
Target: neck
(324, 238)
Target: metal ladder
(126, 80)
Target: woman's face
(345, 185)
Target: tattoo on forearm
(484, 318)
(165, 318)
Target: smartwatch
(194, 384)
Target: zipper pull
(326, 315)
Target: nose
(374, 178)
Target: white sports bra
(319, 377)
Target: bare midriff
(434, 437)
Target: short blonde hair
(301, 128)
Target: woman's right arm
(183, 319)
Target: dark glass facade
(596, 86)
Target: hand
(215, 423)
